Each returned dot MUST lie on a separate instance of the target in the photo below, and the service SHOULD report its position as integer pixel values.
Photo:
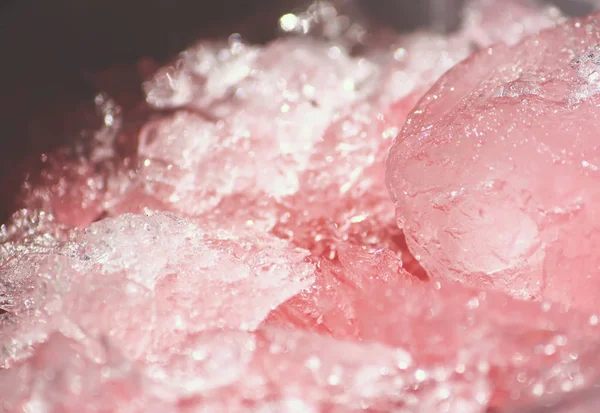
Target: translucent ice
(505, 144)
(451, 333)
(162, 276)
(185, 335)
(341, 197)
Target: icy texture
(162, 276)
(262, 111)
(276, 278)
(184, 331)
(505, 144)
(29, 231)
(513, 347)
(299, 122)
(342, 197)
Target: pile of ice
(231, 245)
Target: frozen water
(276, 278)
(162, 276)
(509, 348)
(511, 151)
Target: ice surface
(513, 347)
(509, 149)
(162, 276)
(346, 172)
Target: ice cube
(473, 161)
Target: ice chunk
(292, 70)
(31, 286)
(30, 231)
(162, 276)
(451, 333)
(475, 160)
(189, 164)
(254, 126)
(284, 98)
(205, 73)
(201, 280)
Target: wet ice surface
(231, 246)
(517, 146)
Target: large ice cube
(495, 174)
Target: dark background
(46, 45)
(44, 39)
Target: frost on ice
(495, 175)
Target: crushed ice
(230, 245)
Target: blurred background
(48, 46)
(50, 38)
